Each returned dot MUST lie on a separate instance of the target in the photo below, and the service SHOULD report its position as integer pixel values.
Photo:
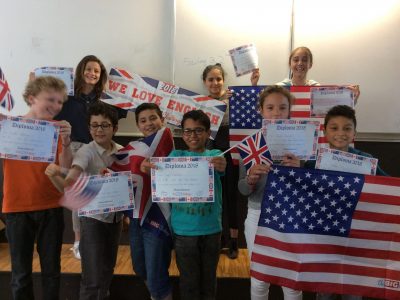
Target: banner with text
(129, 90)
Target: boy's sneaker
(75, 250)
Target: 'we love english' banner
(129, 90)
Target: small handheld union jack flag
(254, 150)
(6, 100)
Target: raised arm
(65, 157)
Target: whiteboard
(356, 42)
(135, 35)
(353, 41)
(206, 30)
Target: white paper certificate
(28, 139)
(335, 160)
(324, 98)
(299, 137)
(109, 193)
(182, 179)
(65, 74)
(244, 59)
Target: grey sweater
(254, 193)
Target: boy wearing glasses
(197, 226)
(99, 233)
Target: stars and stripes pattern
(129, 158)
(245, 119)
(329, 231)
(253, 150)
(6, 100)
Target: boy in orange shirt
(31, 203)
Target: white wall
(353, 41)
(136, 35)
(356, 42)
(206, 30)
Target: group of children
(32, 210)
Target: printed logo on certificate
(336, 160)
(324, 98)
(107, 193)
(65, 74)
(244, 59)
(182, 179)
(28, 139)
(299, 137)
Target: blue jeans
(22, 228)
(197, 259)
(151, 257)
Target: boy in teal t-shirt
(197, 226)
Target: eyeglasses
(103, 126)
(197, 131)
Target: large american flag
(329, 231)
(245, 119)
(153, 215)
(6, 100)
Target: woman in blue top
(89, 83)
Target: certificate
(298, 137)
(335, 160)
(182, 179)
(106, 193)
(28, 139)
(324, 98)
(65, 74)
(244, 59)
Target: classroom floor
(232, 268)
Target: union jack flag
(214, 108)
(80, 193)
(329, 231)
(128, 91)
(155, 216)
(245, 119)
(253, 150)
(6, 100)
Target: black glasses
(102, 126)
(197, 131)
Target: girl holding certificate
(300, 62)
(213, 79)
(89, 83)
(275, 103)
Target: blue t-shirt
(192, 219)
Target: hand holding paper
(244, 59)
(255, 173)
(219, 163)
(290, 160)
(255, 76)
